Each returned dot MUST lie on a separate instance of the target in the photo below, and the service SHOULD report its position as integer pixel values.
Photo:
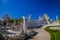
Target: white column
(24, 25)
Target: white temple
(46, 18)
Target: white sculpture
(56, 17)
(24, 25)
(39, 18)
(29, 17)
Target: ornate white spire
(29, 17)
(39, 18)
(56, 17)
(45, 16)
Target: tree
(12, 20)
(21, 19)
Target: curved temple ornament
(24, 25)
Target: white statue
(24, 25)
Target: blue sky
(18, 8)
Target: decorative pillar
(24, 25)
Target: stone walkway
(42, 35)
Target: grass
(55, 34)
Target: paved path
(42, 35)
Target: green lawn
(55, 34)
